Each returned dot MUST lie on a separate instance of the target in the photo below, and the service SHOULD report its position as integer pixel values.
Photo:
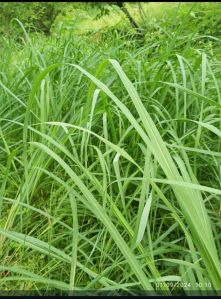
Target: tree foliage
(40, 16)
(35, 16)
(104, 9)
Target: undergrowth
(110, 160)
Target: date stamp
(185, 285)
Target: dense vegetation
(110, 148)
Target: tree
(35, 16)
(104, 10)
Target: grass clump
(110, 151)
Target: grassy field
(110, 154)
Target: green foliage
(103, 8)
(37, 16)
(110, 154)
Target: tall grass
(110, 175)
